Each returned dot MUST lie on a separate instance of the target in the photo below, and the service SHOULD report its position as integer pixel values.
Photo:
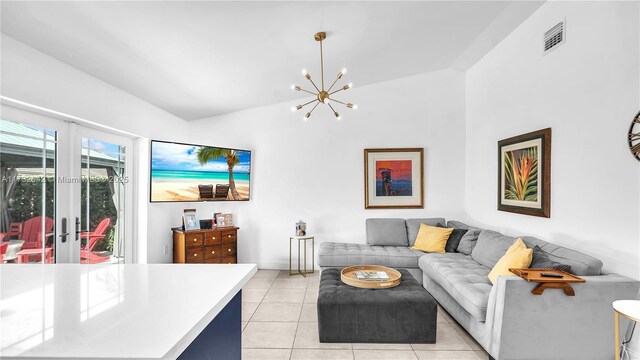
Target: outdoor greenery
(26, 203)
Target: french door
(65, 193)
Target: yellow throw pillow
(517, 256)
(432, 238)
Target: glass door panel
(64, 190)
(27, 193)
(102, 208)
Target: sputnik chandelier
(322, 95)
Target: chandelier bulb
(304, 72)
(343, 71)
(295, 87)
(355, 107)
(350, 85)
(337, 115)
(307, 116)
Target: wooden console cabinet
(207, 246)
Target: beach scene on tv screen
(181, 172)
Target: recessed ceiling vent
(554, 36)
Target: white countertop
(111, 311)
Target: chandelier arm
(331, 93)
(334, 83)
(312, 83)
(310, 102)
(335, 113)
(314, 107)
(338, 101)
(307, 91)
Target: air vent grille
(554, 36)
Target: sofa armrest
(553, 325)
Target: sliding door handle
(63, 236)
(78, 229)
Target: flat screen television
(186, 172)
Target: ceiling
(200, 59)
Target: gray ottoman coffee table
(403, 314)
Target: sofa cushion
(454, 240)
(462, 278)
(491, 246)
(469, 239)
(432, 238)
(518, 256)
(542, 260)
(413, 226)
(391, 232)
(581, 264)
(344, 254)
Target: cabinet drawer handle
(195, 255)
(213, 237)
(228, 249)
(213, 252)
(229, 235)
(194, 240)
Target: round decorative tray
(347, 275)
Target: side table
(302, 239)
(629, 309)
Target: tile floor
(279, 321)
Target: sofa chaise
(505, 318)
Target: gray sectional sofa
(505, 318)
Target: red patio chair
(32, 232)
(93, 237)
(3, 250)
(14, 231)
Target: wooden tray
(348, 277)
(533, 275)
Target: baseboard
(275, 265)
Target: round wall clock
(634, 137)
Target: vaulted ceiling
(200, 59)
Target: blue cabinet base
(222, 338)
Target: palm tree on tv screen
(206, 154)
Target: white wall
(31, 76)
(587, 91)
(314, 170)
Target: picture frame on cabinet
(190, 220)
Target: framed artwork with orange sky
(394, 178)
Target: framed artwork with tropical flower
(393, 178)
(524, 174)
